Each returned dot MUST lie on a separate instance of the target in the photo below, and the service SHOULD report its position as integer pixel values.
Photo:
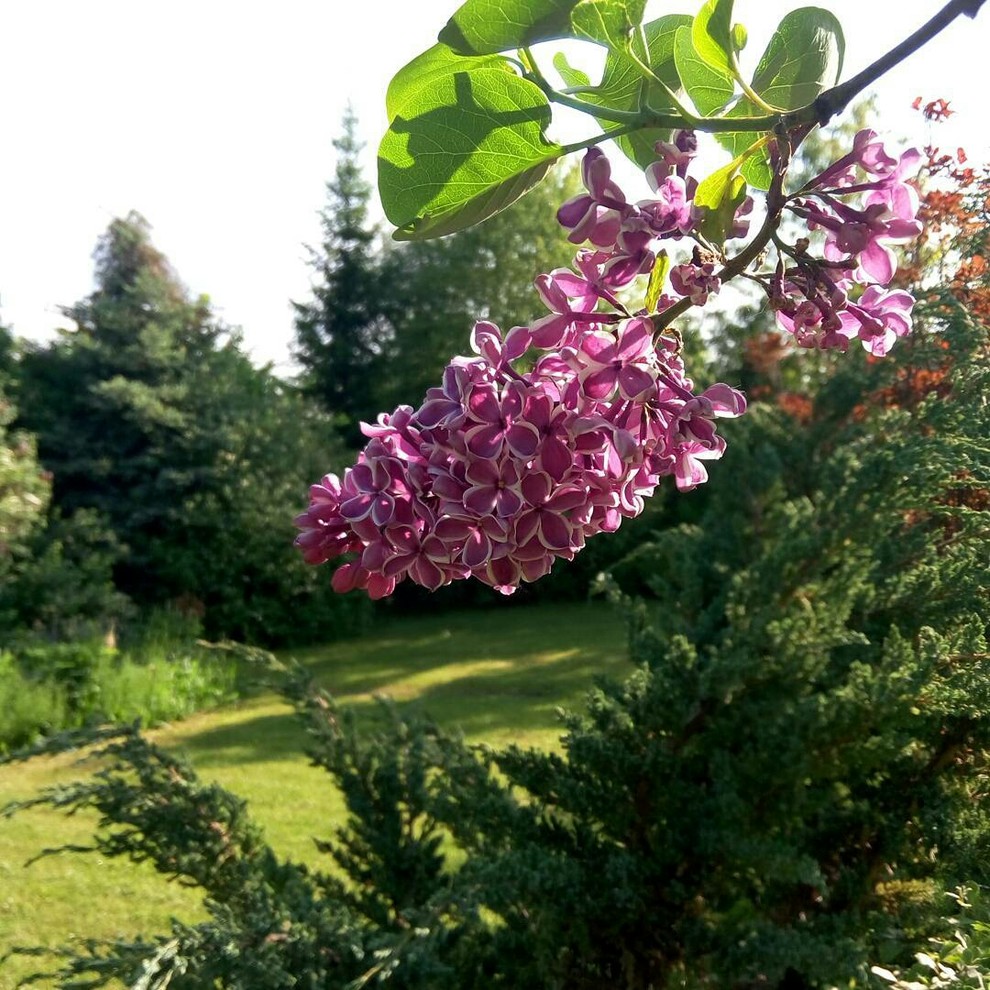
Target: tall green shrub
(161, 435)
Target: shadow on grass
(259, 738)
(483, 673)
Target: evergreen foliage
(177, 465)
(24, 487)
(341, 334)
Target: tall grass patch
(45, 688)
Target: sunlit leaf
(713, 189)
(608, 22)
(719, 219)
(461, 150)
(624, 87)
(485, 27)
(804, 57)
(430, 66)
(572, 77)
(756, 167)
(709, 89)
(711, 34)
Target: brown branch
(837, 98)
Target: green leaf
(608, 22)
(657, 278)
(804, 57)
(756, 170)
(709, 89)
(624, 80)
(756, 167)
(485, 27)
(461, 150)
(491, 199)
(427, 68)
(711, 35)
(718, 221)
(713, 190)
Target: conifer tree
(150, 414)
(116, 405)
(24, 487)
(341, 331)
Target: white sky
(214, 119)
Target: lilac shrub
(550, 434)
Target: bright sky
(214, 119)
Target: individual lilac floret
(596, 216)
(696, 282)
(878, 318)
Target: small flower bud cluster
(626, 233)
(816, 299)
(499, 473)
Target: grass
(499, 675)
(50, 687)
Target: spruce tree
(341, 331)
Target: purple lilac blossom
(817, 300)
(499, 472)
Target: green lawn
(498, 675)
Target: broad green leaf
(608, 22)
(485, 27)
(803, 58)
(756, 170)
(490, 200)
(657, 278)
(710, 89)
(711, 34)
(461, 150)
(428, 67)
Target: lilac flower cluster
(815, 299)
(499, 473)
